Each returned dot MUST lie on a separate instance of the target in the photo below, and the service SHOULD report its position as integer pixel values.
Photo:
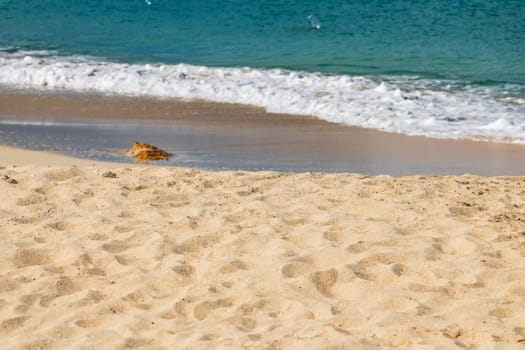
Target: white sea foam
(403, 105)
(43, 123)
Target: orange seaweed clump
(147, 152)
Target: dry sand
(164, 258)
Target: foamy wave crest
(409, 106)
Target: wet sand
(218, 136)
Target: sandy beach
(109, 256)
(268, 175)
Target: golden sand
(164, 258)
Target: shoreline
(236, 135)
(15, 156)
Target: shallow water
(296, 147)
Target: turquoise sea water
(481, 41)
(469, 56)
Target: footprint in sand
(184, 270)
(92, 297)
(59, 226)
(444, 290)
(86, 263)
(31, 257)
(138, 299)
(27, 301)
(31, 199)
(324, 281)
(296, 269)
(202, 310)
(503, 313)
(64, 286)
(180, 309)
(7, 285)
(233, 266)
(336, 238)
(79, 198)
(457, 245)
(11, 324)
(361, 272)
(244, 324)
(399, 304)
(134, 343)
(359, 247)
(39, 344)
(25, 220)
(90, 323)
(195, 244)
(62, 175)
(115, 246)
(399, 269)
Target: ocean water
(439, 68)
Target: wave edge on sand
(402, 104)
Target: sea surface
(439, 68)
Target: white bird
(314, 22)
